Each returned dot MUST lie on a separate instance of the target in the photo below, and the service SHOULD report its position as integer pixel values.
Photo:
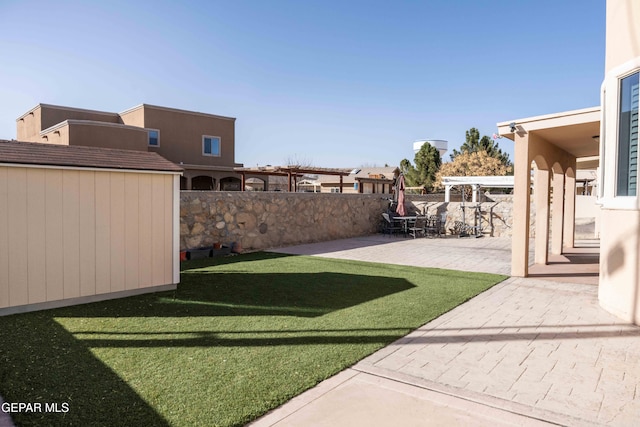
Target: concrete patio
(528, 351)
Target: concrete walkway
(526, 352)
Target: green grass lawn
(240, 336)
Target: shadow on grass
(41, 362)
(215, 293)
(213, 339)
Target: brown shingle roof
(83, 157)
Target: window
(628, 136)
(154, 137)
(211, 146)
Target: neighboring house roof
(60, 107)
(175, 110)
(117, 115)
(70, 122)
(29, 153)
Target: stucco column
(521, 200)
(541, 201)
(189, 187)
(569, 211)
(447, 193)
(474, 193)
(557, 216)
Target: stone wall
(262, 220)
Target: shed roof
(30, 153)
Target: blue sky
(332, 83)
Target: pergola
(554, 143)
(476, 183)
(291, 172)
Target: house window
(154, 137)
(628, 136)
(211, 146)
(335, 189)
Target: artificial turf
(240, 336)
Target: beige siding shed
(80, 224)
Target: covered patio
(554, 146)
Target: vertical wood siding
(73, 233)
(36, 232)
(4, 237)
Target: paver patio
(536, 348)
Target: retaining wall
(262, 220)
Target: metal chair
(432, 226)
(389, 226)
(418, 227)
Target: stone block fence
(262, 220)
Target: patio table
(405, 222)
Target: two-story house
(202, 144)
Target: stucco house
(606, 137)
(202, 144)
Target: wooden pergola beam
(291, 172)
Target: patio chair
(433, 226)
(390, 226)
(418, 227)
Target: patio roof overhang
(558, 144)
(577, 132)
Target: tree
(427, 163)
(478, 163)
(473, 143)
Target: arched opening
(183, 183)
(558, 182)
(202, 182)
(254, 184)
(230, 184)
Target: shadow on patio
(576, 265)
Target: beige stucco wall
(620, 236)
(181, 134)
(623, 32)
(133, 117)
(59, 136)
(619, 263)
(96, 134)
(99, 135)
(52, 115)
(67, 234)
(29, 126)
